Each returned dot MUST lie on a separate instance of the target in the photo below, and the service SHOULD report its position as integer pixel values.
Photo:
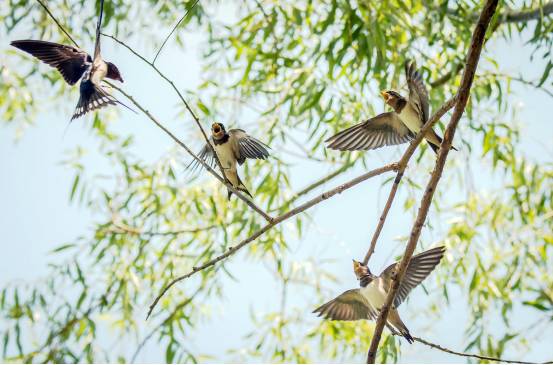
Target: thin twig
(476, 356)
(120, 228)
(473, 57)
(173, 30)
(281, 218)
(250, 203)
(58, 23)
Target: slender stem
(173, 30)
(58, 23)
(463, 95)
(281, 218)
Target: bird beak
(385, 95)
(215, 127)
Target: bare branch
(476, 356)
(473, 57)
(58, 23)
(513, 16)
(173, 30)
(281, 218)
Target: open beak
(215, 128)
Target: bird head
(218, 130)
(393, 99)
(113, 72)
(360, 269)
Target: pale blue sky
(36, 216)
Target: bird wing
(419, 268)
(418, 95)
(385, 129)
(348, 306)
(245, 146)
(70, 61)
(206, 155)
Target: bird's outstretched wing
(419, 268)
(418, 94)
(206, 155)
(348, 306)
(244, 146)
(385, 129)
(71, 62)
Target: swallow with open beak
(75, 64)
(395, 127)
(366, 302)
(232, 146)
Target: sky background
(36, 214)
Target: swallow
(74, 64)
(366, 302)
(395, 127)
(232, 146)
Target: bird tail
(436, 147)
(395, 321)
(240, 187)
(93, 97)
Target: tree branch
(476, 356)
(512, 16)
(58, 23)
(473, 57)
(225, 180)
(120, 228)
(281, 218)
(173, 30)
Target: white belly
(100, 71)
(226, 156)
(375, 293)
(410, 118)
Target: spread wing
(385, 129)
(349, 306)
(206, 155)
(419, 268)
(418, 94)
(71, 62)
(245, 146)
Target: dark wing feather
(71, 62)
(245, 146)
(418, 95)
(206, 155)
(349, 306)
(385, 129)
(419, 268)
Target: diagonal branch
(58, 23)
(197, 120)
(473, 57)
(281, 218)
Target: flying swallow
(395, 127)
(232, 146)
(366, 302)
(75, 64)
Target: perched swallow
(232, 146)
(75, 64)
(391, 128)
(366, 302)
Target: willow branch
(473, 57)
(513, 16)
(225, 180)
(250, 203)
(464, 354)
(58, 23)
(120, 228)
(281, 218)
(173, 30)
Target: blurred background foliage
(301, 70)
